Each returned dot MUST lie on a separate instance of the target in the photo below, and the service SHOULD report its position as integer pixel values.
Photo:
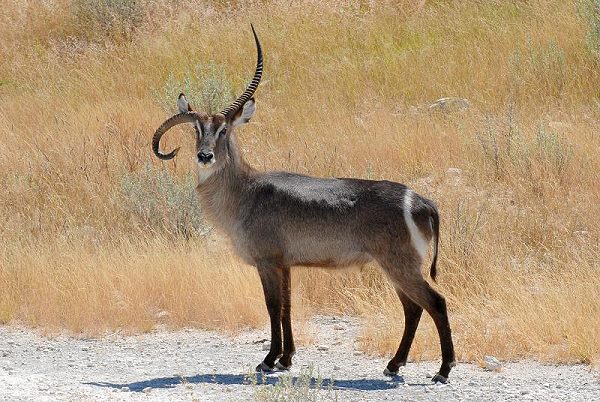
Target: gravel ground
(205, 366)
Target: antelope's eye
(223, 131)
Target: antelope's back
(303, 220)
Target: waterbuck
(276, 220)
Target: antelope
(277, 220)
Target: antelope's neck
(221, 195)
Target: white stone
(163, 314)
(491, 363)
(450, 104)
(556, 125)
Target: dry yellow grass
(345, 93)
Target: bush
(507, 151)
(160, 202)
(545, 64)
(206, 89)
(590, 10)
(108, 18)
(304, 387)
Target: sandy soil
(205, 366)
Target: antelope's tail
(435, 225)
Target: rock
(162, 314)
(266, 346)
(125, 389)
(147, 390)
(336, 367)
(323, 348)
(490, 363)
(357, 353)
(454, 176)
(339, 327)
(557, 125)
(450, 104)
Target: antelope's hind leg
(271, 279)
(412, 316)
(410, 282)
(434, 303)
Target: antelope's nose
(205, 157)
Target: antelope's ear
(182, 104)
(245, 113)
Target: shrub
(108, 18)
(507, 151)
(545, 64)
(206, 89)
(590, 11)
(160, 202)
(304, 387)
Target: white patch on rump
(416, 236)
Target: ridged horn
(229, 111)
(187, 117)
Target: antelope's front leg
(289, 349)
(271, 278)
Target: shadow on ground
(239, 379)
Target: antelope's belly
(319, 252)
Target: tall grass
(96, 234)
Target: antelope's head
(213, 132)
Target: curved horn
(187, 117)
(229, 111)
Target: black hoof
(439, 378)
(264, 368)
(280, 366)
(390, 373)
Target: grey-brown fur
(277, 220)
